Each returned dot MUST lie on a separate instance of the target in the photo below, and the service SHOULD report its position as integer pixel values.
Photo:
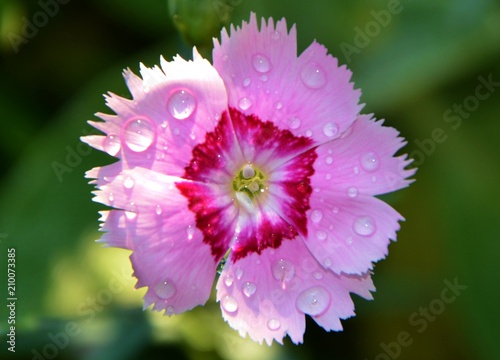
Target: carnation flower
(261, 163)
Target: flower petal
(171, 111)
(169, 256)
(310, 95)
(268, 295)
(362, 161)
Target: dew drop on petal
(313, 301)
(131, 212)
(364, 226)
(244, 103)
(111, 144)
(294, 122)
(330, 129)
(316, 216)
(249, 288)
(329, 160)
(128, 182)
(158, 210)
(111, 198)
(318, 275)
(327, 262)
(228, 280)
(261, 63)
(190, 232)
(221, 161)
(321, 235)
(283, 270)
(369, 161)
(264, 78)
(313, 76)
(352, 192)
(278, 105)
(335, 210)
(138, 134)
(328, 176)
(181, 104)
(170, 310)
(165, 289)
(246, 82)
(238, 272)
(275, 35)
(229, 304)
(273, 324)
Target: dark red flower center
(249, 185)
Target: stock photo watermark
(73, 158)
(87, 310)
(454, 115)
(364, 35)
(31, 27)
(419, 320)
(11, 299)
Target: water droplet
(264, 78)
(164, 125)
(330, 129)
(169, 310)
(229, 304)
(249, 289)
(278, 105)
(245, 103)
(192, 135)
(238, 272)
(316, 216)
(327, 262)
(328, 176)
(181, 104)
(273, 324)
(139, 134)
(309, 133)
(294, 122)
(329, 160)
(364, 226)
(276, 35)
(112, 145)
(313, 301)
(221, 161)
(335, 209)
(131, 211)
(283, 270)
(348, 241)
(128, 183)
(261, 63)
(158, 210)
(111, 198)
(246, 82)
(352, 192)
(165, 289)
(321, 235)
(369, 161)
(190, 232)
(228, 280)
(318, 275)
(313, 76)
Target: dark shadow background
(419, 69)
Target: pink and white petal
(310, 94)
(267, 296)
(362, 161)
(173, 107)
(348, 235)
(169, 254)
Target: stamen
(248, 172)
(245, 201)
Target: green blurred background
(419, 70)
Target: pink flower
(261, 161)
